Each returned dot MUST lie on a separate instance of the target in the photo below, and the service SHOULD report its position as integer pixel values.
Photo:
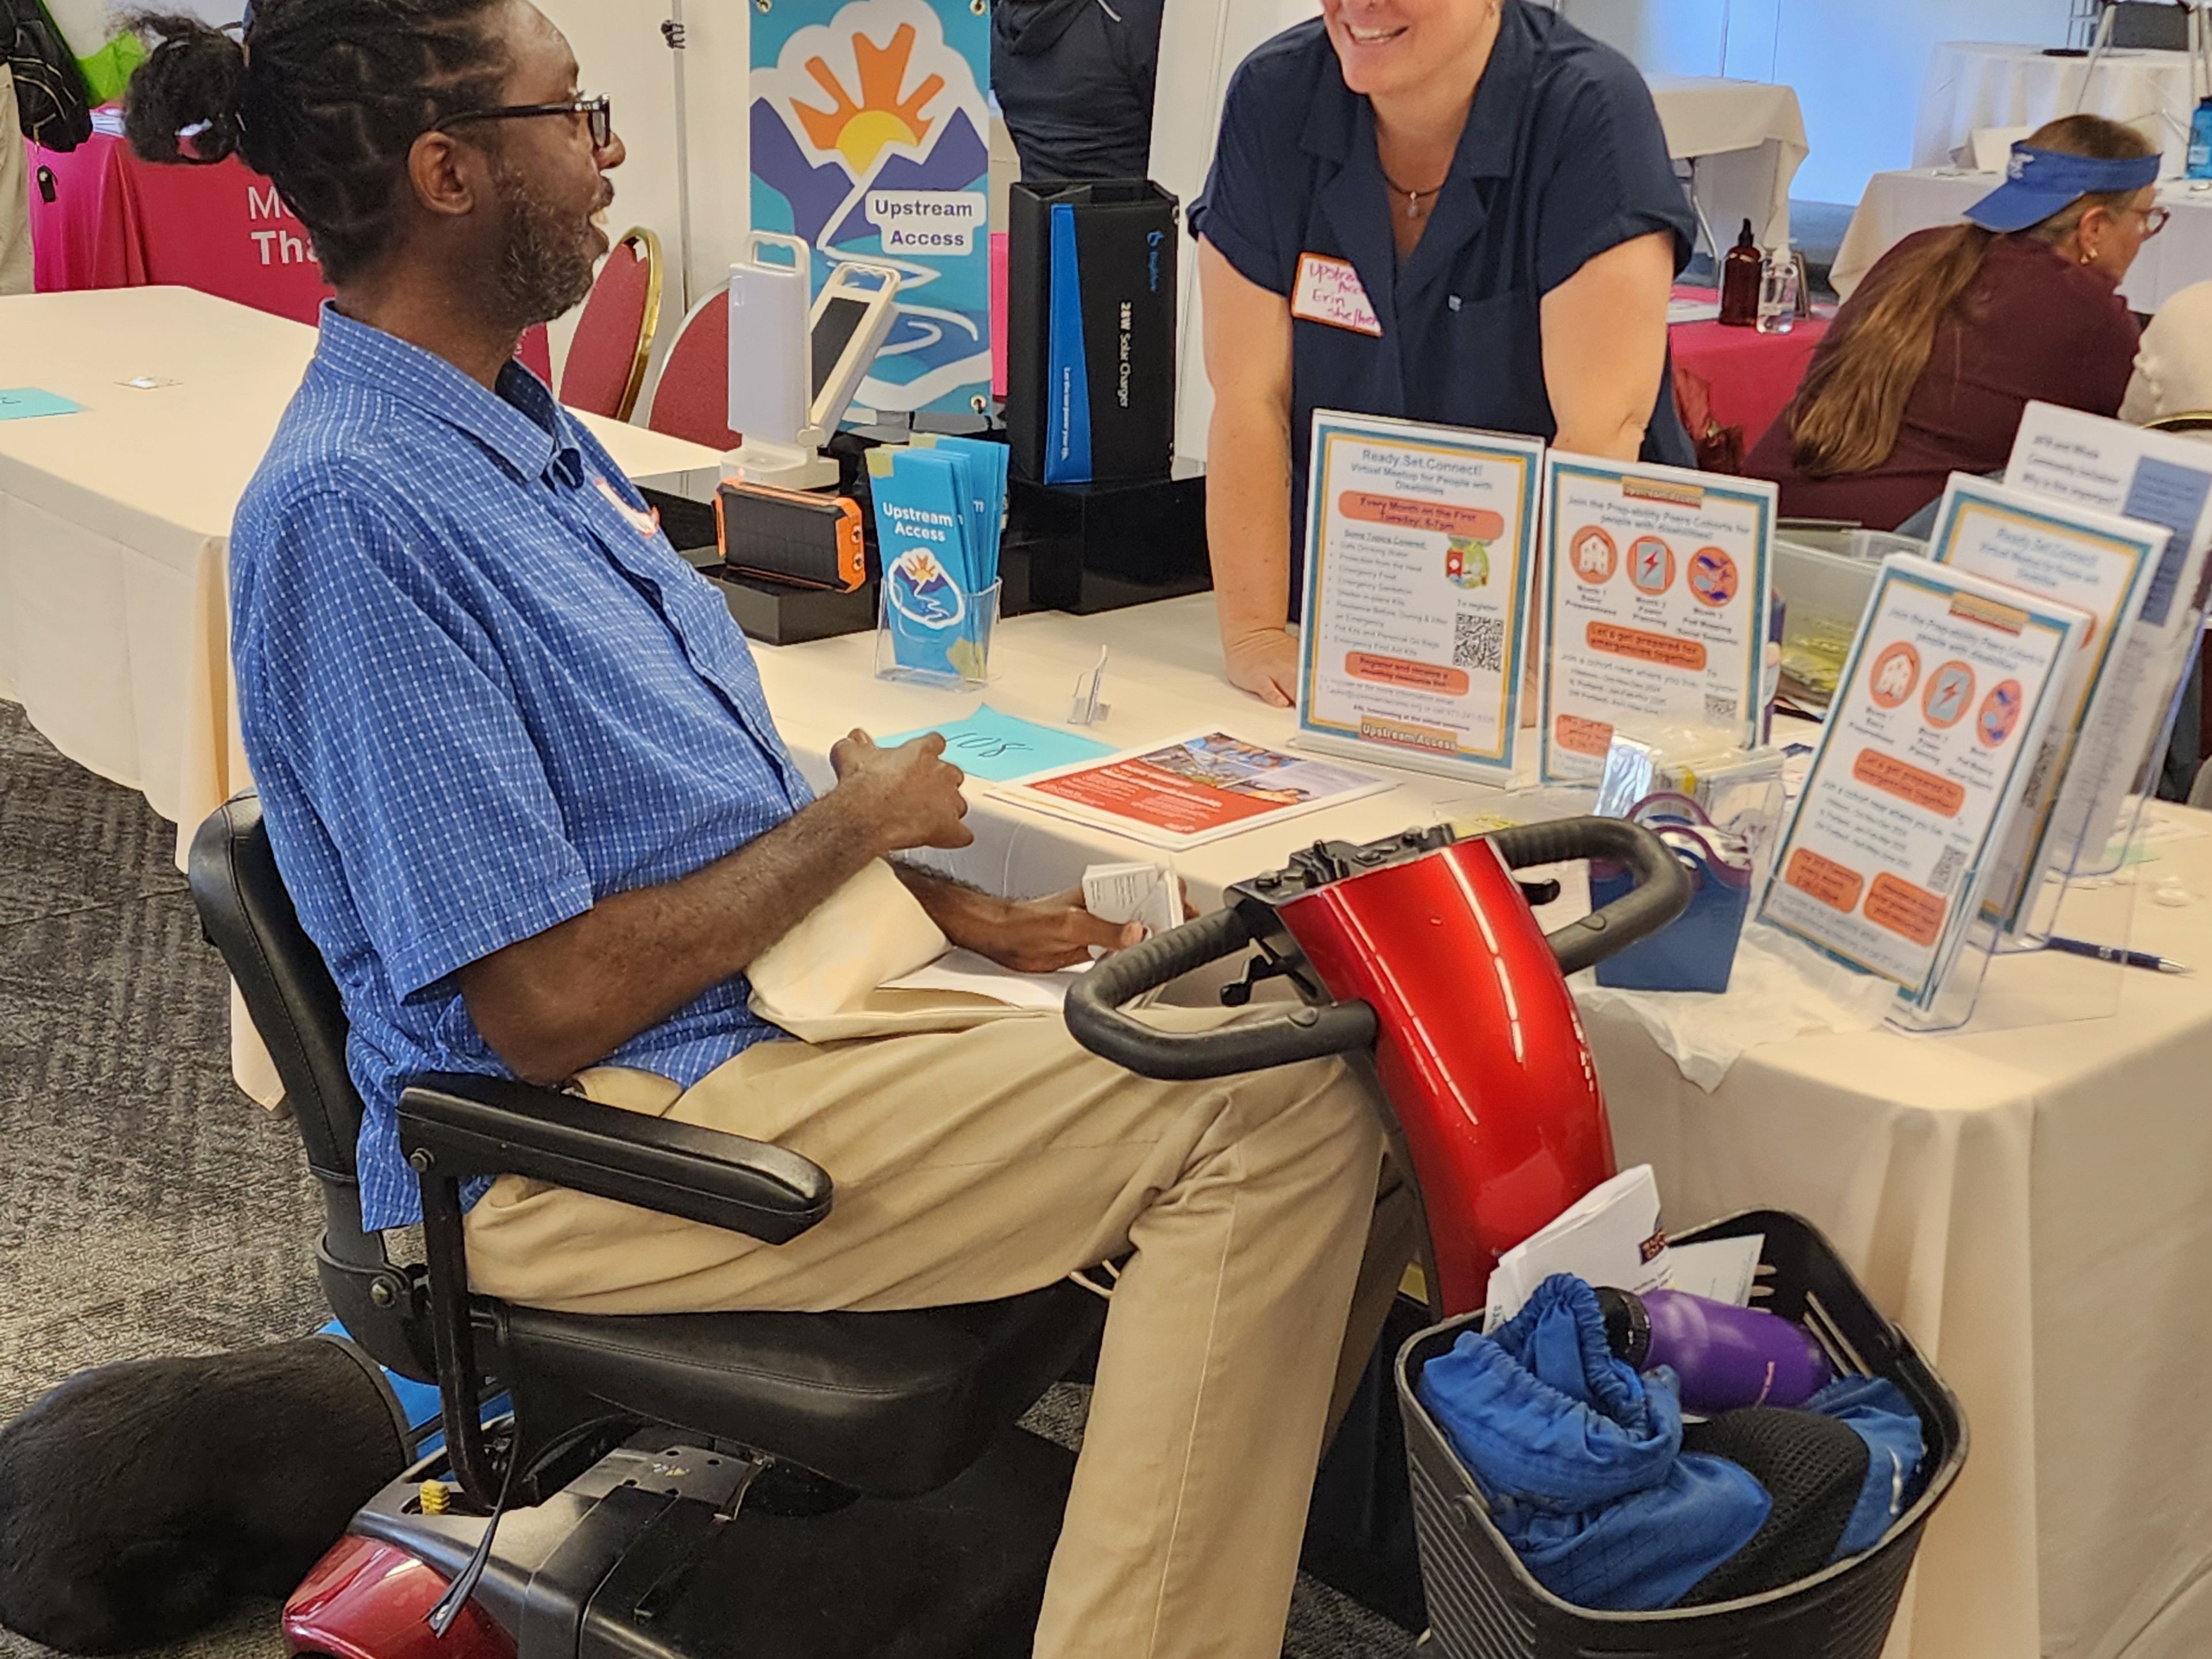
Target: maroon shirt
(2035, 326)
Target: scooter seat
(892, 1405)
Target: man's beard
(546, 255)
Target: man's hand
(1265, 663)
(906, 797)
(1030, 936)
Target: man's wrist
(961, 912)
(856, 815)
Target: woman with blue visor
(1944, 343)
(1451, 211)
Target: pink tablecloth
(102, 218)
(1753, 375)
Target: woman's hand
(1265, 662)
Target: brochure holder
(2093, 860)
(953, 657)
(1997, 985)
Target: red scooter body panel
(1479, 1049)
(369, 1599)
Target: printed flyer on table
(1194, 790)
(2095, 561)
(1655, 604)
(1417, 578)
(1946, 698)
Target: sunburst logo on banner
(860, 130)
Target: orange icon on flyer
(1950, 690)
(1593, 555)
(1896, 670)
(1650, 565)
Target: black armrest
(476, 1125)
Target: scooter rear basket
(1484, 1604)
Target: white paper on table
(1943, 705)
(2159, 478)
(1419, 544)
(979, 976)
(1693, 311)
(1655, 602)
(1718, 1269)
(2103, 564)
(1610, 1236)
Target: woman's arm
(1604, 347)
(1248, 476)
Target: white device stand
(772, 402)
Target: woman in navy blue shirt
(1449, 210)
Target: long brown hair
(1846, 415)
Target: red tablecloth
(1753, 375)
(102, 218)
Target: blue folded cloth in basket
(1581, 1459)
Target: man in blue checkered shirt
(530, 806)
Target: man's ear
(445, 174)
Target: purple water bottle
(1726, 1357)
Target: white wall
(620, 51)
(1857, 65)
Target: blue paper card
(999, 748)
(25, 403)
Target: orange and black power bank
(790, 536)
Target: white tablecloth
(1972, 84)
(1898, 204)
(1744, 141)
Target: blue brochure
(925, 503)
(988, 462)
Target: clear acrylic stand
(2090, 896)
(1987, 988)
(956, 657)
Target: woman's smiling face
(1387, 46)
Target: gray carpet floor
(146, 1206)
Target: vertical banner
(870, 141)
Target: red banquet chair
(535, 352)
(614, 336)
(692, 398)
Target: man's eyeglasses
(595, 107)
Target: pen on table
(2082, 947)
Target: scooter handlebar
(1662, 891)
(1095, 1019)
(1094, 1007)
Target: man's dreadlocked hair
(324, 97)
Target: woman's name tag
(1329, 291)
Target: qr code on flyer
(1478, 642)
(1945, 875)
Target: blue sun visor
(2041, 182)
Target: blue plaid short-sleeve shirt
(478, 690)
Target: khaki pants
(983, 1164)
